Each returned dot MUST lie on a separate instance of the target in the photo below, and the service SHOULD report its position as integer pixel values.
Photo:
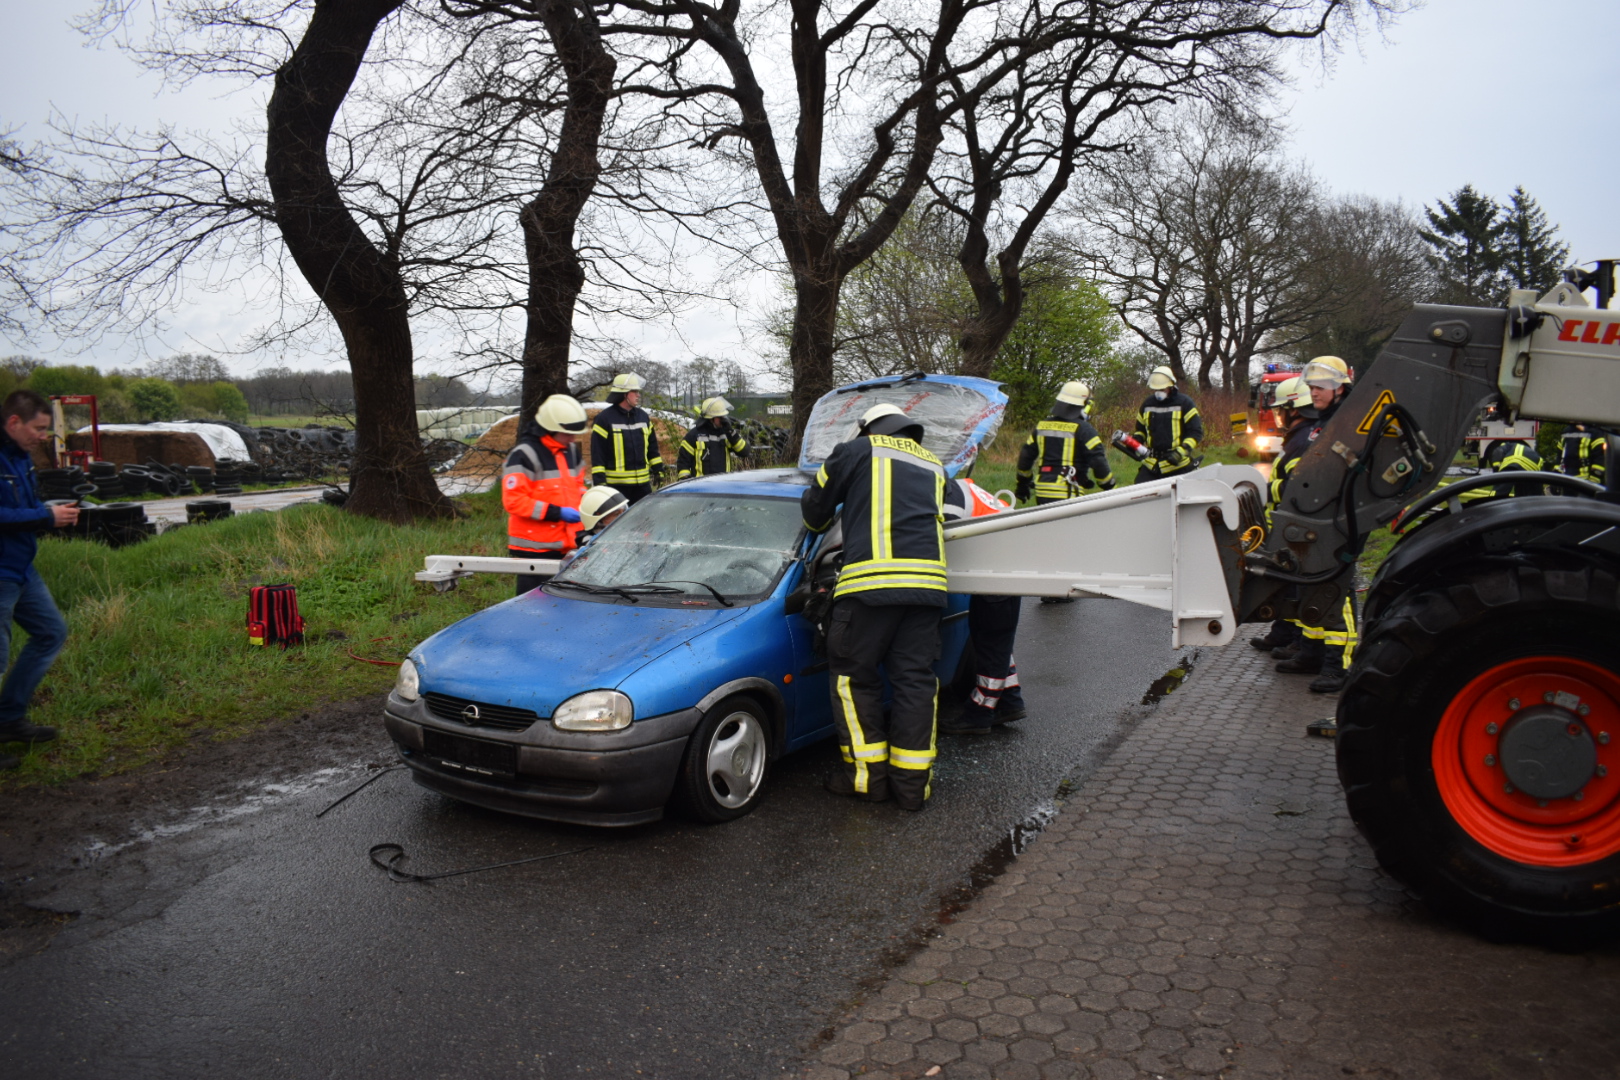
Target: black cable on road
(365, 784)
(391, 864)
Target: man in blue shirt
(24, 599)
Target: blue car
(671, 660)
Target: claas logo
(1572, 331)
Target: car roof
(772, 483)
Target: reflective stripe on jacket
(1586, 455)
(892, 492)
(708, 450)
(1057, 446)
(541, 476)
(624, 447)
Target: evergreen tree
(1532, 256)
(1466, 238)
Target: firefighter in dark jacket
(1585, 453)
(1298, 416)
(624, 446)
(1326, 650)
(1064, 456)
(886, 605)
(996, 697)
(542, 483)
(1169, 424)
(711, 446)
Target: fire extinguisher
(1129, 444)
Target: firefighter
(1511, 455)
(711, 446)
(600, 507)
(886, 606)
(624, 446)
(542, 484)
(1169, 424)
(1586, 453)
(1325, 651)
(1296, 415)
(992, 626)
(1066, 450)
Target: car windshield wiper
(596, 590)
(701, 584)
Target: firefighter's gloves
(1175, 459)
(1022, 490)
(568, 514)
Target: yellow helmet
(1292, 393)
(1161, 378)
(559, 412)
(624, 384)
(599, 503)
(713, 407)
(1075, 393)
(1326, 371)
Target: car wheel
(726, 761)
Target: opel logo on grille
(470, 714)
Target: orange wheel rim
(1476, 778)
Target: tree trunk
(815, 316)
(999, 303)
(556, 275)
(360, 285)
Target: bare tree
(1205, 241)
(1012, 154)
(1373, 259)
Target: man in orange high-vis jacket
(992, 626)
(542, 483)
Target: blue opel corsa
(671, 661)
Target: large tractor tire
(1479, 745)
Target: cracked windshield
(732, 544)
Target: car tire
(727, 762)
(1428, 683)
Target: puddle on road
(1167, 683)
(249, 799)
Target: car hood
(539, 650)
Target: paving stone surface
(1203, 907)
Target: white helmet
(890, 420)
(713, 407)
(624, 384)
(599, 503)
(1075, 393)
(1327, 371)
(559, 412)
(1161, 378)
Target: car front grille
(478, 714)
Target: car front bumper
(619, 778)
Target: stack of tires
(201, 477)
(115, 524)
(58, 484)
(228, 476)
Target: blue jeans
(31, 606)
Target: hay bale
(488, 454)
(139, 447)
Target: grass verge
(158, 651)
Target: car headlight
(594, 710)
(409, 683)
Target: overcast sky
(1486, 92)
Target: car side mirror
(794, 602)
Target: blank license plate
(476, 755)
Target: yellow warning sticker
(1385, 397)
(1240, 422)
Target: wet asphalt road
(267, 945)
